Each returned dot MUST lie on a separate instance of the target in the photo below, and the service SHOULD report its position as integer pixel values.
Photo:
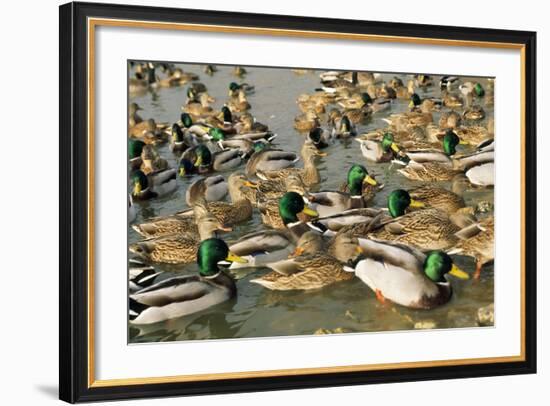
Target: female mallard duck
(155, 185)
(145, 79)
(284, 212)
(405, 275)
(473, 135)
(151, 162)
(477, 241)
(452, 100)
(312, 104)
(426, 105)
(212, 189)
(239, 102)
(437, 198)
(268, 159)
(248, 124)
(327, 203)
(474, 113)
(426, 229)
(307, 121)
(239, 71)
(274, 189)
(149, 131)
(198, 105)
(200, 159)
(404, 121)
(179, 248)
(450, 120)
(133, 116)
(309, 174)
(309, 270)
(379, 151)
(184, 295)
(401, 91)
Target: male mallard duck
(200, 159)
(343, 128)
(405, 275)
(449, 82)
(471, 90)
(135, 148)
(426, 229)
(309, 174)
(474, 113)
(284, 212)
(211, 188)
(478, 241)
(235, 88)
(210, 69)
(449, 143)
(307, 270)
(143, 80)
(184, 295)
(327, 203)
(320, 138)
(155, 185)
(268, 159)
(426, 105)
(379, 151)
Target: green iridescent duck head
(415, 100)
(290, 205)
(186, 120)
(450, 141)
(135, 147)
(139, 182)
(388, 143)
(366, 98)
(357, 177)
(227, 116)
(210, 252)
(216, 134)
(478, 90)
(399, 201)
(437, 264)
(177, 133)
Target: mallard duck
(269, 159)
(151, 162)
(449, 120)
(198, 105)
(478, 166)
(211, 188)
(235, 88)
(449, 143)
(200, 159)
(474, 113)
(284, 212)
(379, 151)
(149, 131)
(426, 105)
(405, 275)
(179, 248)
(401, 91)
(210, 69)
(239, 71)
(343, 128)
(307, 270)
(309, 174)
(320, 138)
(145, 187)
(426, 229)
(262, 247)
(452, 100)
(327, 203)
(473, 135)
(239, 102)
(307, 121)
(143, 80)
(423, 80)
(449, 82)
(133, 116)
(477, 241)
(184, 295)
(404, 121)
(135, 148)
(140, 275)
(437, 197)
(275, 188)
(471, 90)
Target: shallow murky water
(343, 307)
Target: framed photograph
(255, 202)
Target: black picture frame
(74, 200)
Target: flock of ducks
(313, 237)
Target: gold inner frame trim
(94, 22)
